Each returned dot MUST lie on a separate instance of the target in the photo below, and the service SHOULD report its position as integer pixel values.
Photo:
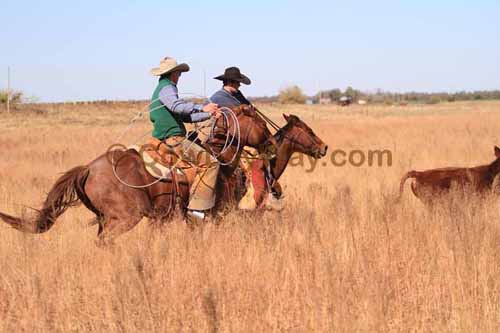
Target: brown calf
(437, 183)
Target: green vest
(165, 122)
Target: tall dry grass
(341, 257)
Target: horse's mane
(280, 134)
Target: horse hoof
(106, 244)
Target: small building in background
(324, 100)
(361, 102)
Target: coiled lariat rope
(229, 116)
(236, 135)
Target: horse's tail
(65, 193)
(409, 174)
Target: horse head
(301, 137)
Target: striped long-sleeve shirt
(190, 112)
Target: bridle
(281, 129)
(294, 138)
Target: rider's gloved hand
(213, 109)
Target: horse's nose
(324, 150)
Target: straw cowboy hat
(169, 65)
(234, 74)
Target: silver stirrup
(195, 216)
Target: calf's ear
(497, 151)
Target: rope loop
(230, 118)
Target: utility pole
(204, 83)
(8, 89)
(319, 91)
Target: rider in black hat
(231, 96)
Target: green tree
(15, 97)
(353, 93)
(335, 94)
(292, 95)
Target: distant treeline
(98, 102)
(386, 97)
(264, 99)
(326, 96)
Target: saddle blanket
(155, 168)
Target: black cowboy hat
(234, 74)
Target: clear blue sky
(83, 50)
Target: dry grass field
(341, 256)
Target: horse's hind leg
(114, 225)
(98, 220)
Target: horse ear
(286, 117)
(497, 151)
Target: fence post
(8, 89)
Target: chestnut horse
(435, 184)
(295, 137)
(119, 207)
